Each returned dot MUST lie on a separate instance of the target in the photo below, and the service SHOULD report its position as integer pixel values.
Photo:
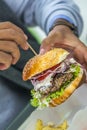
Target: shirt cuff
(58, 17)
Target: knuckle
(13, 26)
(15, 50)
(5, 57)
(13, 46)
(16, 36)
(20, 29)
(12, 32)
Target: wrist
(63, 29)
(64, 23)
(66, 35)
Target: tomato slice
(43, 76)
(45, 73)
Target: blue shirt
(44, 12)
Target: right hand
(63, 37)
(11, 37)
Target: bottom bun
(69, 90)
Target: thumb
(45, 47)
(42, 51)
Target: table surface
(13, 99)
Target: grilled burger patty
(58, 80)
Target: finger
(78, 55)
(5, 60)
(49, 42)
(85, 57)
(12, 48)
(66, 47)
(84, 65)
(45, 46)
(9, 25)
(10, 34)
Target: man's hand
(62, 36)
(11, 37)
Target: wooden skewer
(32, 49)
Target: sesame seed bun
(40, 63)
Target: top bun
(40, 63)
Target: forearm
(45, 12)
(52, 10)
(17, 6)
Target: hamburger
(55, 76)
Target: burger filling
(54, 84)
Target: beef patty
(58, 80)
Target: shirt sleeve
(48, 11)
(44, 12)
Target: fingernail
(27, 46)
(42, 51)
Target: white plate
(79, 122)
(67, 110)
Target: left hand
(61, 36)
